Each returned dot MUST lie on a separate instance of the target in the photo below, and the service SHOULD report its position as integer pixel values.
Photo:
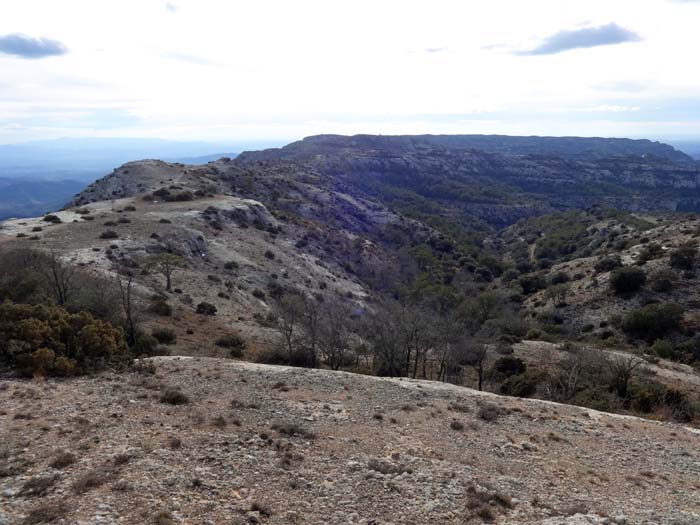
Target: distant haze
(40, 176)
(88, 159)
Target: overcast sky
(283, 69)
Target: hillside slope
(277, 445)
(417, 173)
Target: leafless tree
(622, 369)
(335, 333)
(581, 366)
(311, 326)
(448, 340)
(290, 316)
(58, 278)
(474, 355)
(381, 328)
(129, 311)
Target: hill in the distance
(41, 176)
(28, 198)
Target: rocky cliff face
(508, 178)
(358, 180)
(582, 148)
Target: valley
(457, 329)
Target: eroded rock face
(501, 179)
(241, 212)
(186, 242)
(497, 180)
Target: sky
(282, 69)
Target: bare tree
(335, 332)
(129, 322)
(449, 337)
(290, 315)
(381, 329)
(474, 355)
(622, 368)
(582, 366)
(59, 278)
(311, 326)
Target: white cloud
(273, 68)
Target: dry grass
(172, 396)
(93, 479)
(163, 517)
(62, 460)
(49, 512)
(487, 504)
(292, 429)
(38, 486)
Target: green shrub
(510, 275)
(653, 321)
(165, 336)
(645, 397)
(664, 349)
(688, 351)
(145, 345)
(662, 281)
(161, 193)
(205, 308)
(684, 257)
(627, 280)
(55, 219)
(509, 366)
(161, 307)
(608, 264)
(277, 356)
(520, 385)
(595, 397)
(234, 343)
(48, 340)
(649, 252)
(109, 234)
(532, 283)
(172, 396)
(681, 407)
(559, 278)
(272, 356)
(181, 196)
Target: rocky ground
(213, 441)
(210, 234)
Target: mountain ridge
(572, 147)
